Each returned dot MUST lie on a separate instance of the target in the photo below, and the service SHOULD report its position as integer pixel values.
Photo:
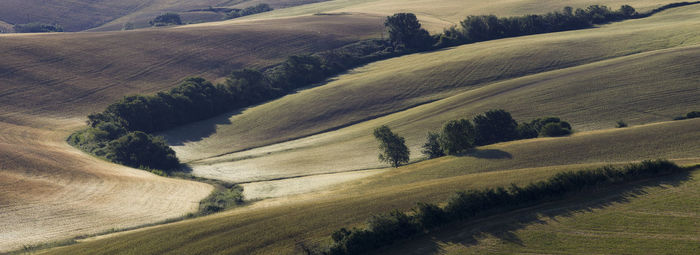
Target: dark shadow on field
(504, 225)
(488, 154)
(199, 130)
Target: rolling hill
(427, 89)
(79, 15)
(50, 82)
(277, 225)
(318, 139)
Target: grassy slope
(275, 226)
(50, 191)
(438, 14)
(77, 73)
(636, 88)
(78, 15)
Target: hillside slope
(641, 88)
(277, 226)
(50, 191)
(78, 15)
(79, 73)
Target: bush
(465, 205)
(620, 124)
(555, 129)
(690, 115)
(36, 27)
(249, 11)
(392, 147)
(167, 19)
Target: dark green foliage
(432, 146)
(36, 27)
(457, 136)
(550, 126)
(392, 147)
(527, 131)
(141, 150)
(489, 27)
(690, 115)
(167, 19)
(465, 205)
(555, 129)
(405, 29)
(620, 124)
(225, 195)
(249, 11)
(495, 126)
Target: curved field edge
(397, 84)
(592, 96)
(277, 225)
(50, 191)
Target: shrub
(36, 27)
(464, 205)
(620, 124)
(249, 11)
(392, 147)
(555, 129)
(166, 19)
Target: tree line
(461, 135)
(386, 229)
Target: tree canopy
(392, 147)
(405, 29)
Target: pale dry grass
(275, 226)
(640, 88)
(74, 74)
(439, 14)
(50, 191)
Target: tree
(138, 149)
(432, 146)
(495, 126)
(392, 147)
(166, 20)
(405, 29)
(457, 136)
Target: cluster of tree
(690, 115)
(236, 13)
(135, 149)
(489, 27)
(494, 126)
(385, 229)
(36, 27)
(167, 19)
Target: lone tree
(405, 29)
(392, 147)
